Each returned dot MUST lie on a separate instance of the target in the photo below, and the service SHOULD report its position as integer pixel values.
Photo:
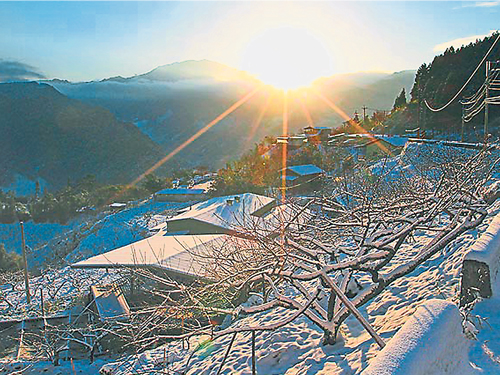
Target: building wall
(192, 226)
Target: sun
(287, 58)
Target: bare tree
(365, 231)
(327, 258)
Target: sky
(82, 41)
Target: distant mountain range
(166, 106)
(48, 136)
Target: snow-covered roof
(167, 252)
(305, 170)
(395, 141)
(180, 191)
(117, 205)
(318, 127)
(110, 302)
(227, 211)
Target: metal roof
(110, 302)
(305, 170)
(393, 140)
(162, 251)
(228, 211)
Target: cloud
(480, 4)
(17, 71)
(457, 43)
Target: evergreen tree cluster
(85, 196)
(400, 101)
(440, 80)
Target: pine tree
(400, 100)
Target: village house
(221, 214)
(317, 134)
(303, 176)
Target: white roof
(305, 170)
(163, 251)
(117, 205)
(395, 141)
(217, 211)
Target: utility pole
(486, 95)
(463, 123)
(25, 263)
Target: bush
(9, 261)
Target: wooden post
(463, 124)
(182, 330)
(21, 339)
(254, 370)
(264, 297)
(41, 302)
(486, 95)
(132, 284)
(25, 264)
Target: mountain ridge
(58, 139)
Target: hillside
(172, 102)
(440, 80)
(49, 136)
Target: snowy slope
(297, 349)
(82, 238)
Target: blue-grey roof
(182, 191)
(318, 127)
(395, 141)
(306, 169)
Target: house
(180, 195)
(369, 146)
(292, 141)
(301, 174)
(172, 254)
(317, 134)
(379, 146)
(221, 214)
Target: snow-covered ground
(74, 241)
(87, 236)
(296, 348)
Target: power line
(466, 83)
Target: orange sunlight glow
(306, 112)
(284, 154)
(287, 58)
(196, 135)
(344, 116)
(257, 122)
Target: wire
(470, 116)
(473, 96)
(466, 83)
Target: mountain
(193, 69)
(172, 102)
(48, 136)
(351, 92)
